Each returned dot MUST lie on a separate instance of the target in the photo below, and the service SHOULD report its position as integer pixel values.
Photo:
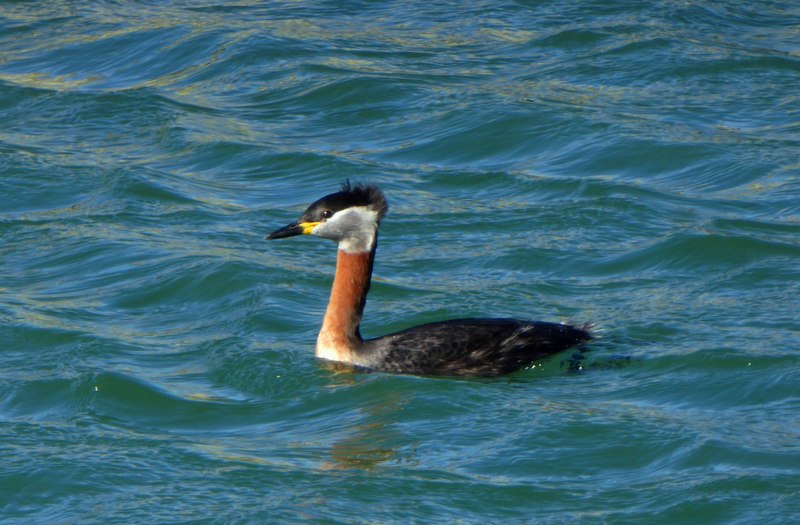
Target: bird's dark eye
(327, 214)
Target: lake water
(635, 165)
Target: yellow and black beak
(295, 228)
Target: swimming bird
(478, 347)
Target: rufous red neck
(339, 339)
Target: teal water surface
(629, 164)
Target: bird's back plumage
(470, 347)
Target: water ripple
(633, 166)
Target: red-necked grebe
(460, 347)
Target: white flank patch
(329, 353)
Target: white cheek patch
(354, 229)
(359, 245)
